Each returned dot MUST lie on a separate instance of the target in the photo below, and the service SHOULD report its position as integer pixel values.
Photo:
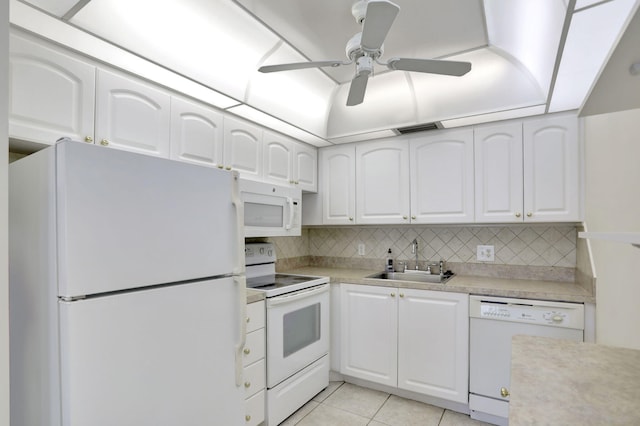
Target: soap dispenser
(389, 262)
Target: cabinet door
(305, 167)
(132, 115)
(337, 167)
(498, 171)
(278, 159)
(551, 170)
(433, 343)
(382, 182)
(243, 148)
(51, 94)
(369, 333)
(442, 177)
(196, 133)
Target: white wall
(4, 149)
(612, 184)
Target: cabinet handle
(393, 295)
(529, 214)
(504, 392)
(247, 418)
(248, 320)
(518, 214)
(248, 385)
(104, 142)
(247, 351)
(88, 139)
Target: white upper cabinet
(51, 94)
(382, 182)
(338, 176)
(498, 173)
(243, 147)
(442, 177)
(132, 115)
(305, 167)
(196, 133)
(528, 171)
(278, 158)
(552, 170)
(290, 163)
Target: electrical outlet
(485, 253)
(361, 249)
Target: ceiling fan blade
(377, 23)
(357, 89)
(300, 66)
(432, 66)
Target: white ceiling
(527, 56)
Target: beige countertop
(254, 295)
(562, 382)
(530, 289)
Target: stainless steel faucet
(414, 250)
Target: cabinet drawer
(255, 316)
(254, 349)
(254, 378)
(254, 409)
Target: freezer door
(126, 220)
(162, 356)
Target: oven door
(297, 331)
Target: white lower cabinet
(416, 340)
(254, 364)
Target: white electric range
(297, 332)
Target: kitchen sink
(415, 276)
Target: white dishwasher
(493, 322)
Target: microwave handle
(291, 213)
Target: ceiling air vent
(419, 128)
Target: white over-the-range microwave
(270, 210)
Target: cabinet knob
(292, 181)
(504, 392)
(247, 418)
(248, 320)
(404, 217)
(351, 218)
(393, 295)
(220, 166)
(247, 384)
(518, 214)
(104, 142)
(228, 168)
(296, 182)
(413, 217)
(529, 214)
(247, 351)
(88, 139)
(401, 294)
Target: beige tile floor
(345, 404)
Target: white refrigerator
(127, 290)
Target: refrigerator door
(126, 220)
(161, 356)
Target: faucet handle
(403, 265)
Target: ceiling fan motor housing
(354, 48)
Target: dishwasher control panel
(541, 312)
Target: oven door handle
(303, 294)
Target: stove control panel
(258, 253)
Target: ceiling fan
(364, 48)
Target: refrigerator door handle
(241, 283)
(238, 204)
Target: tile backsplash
(545, 245)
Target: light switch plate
(485, 253)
